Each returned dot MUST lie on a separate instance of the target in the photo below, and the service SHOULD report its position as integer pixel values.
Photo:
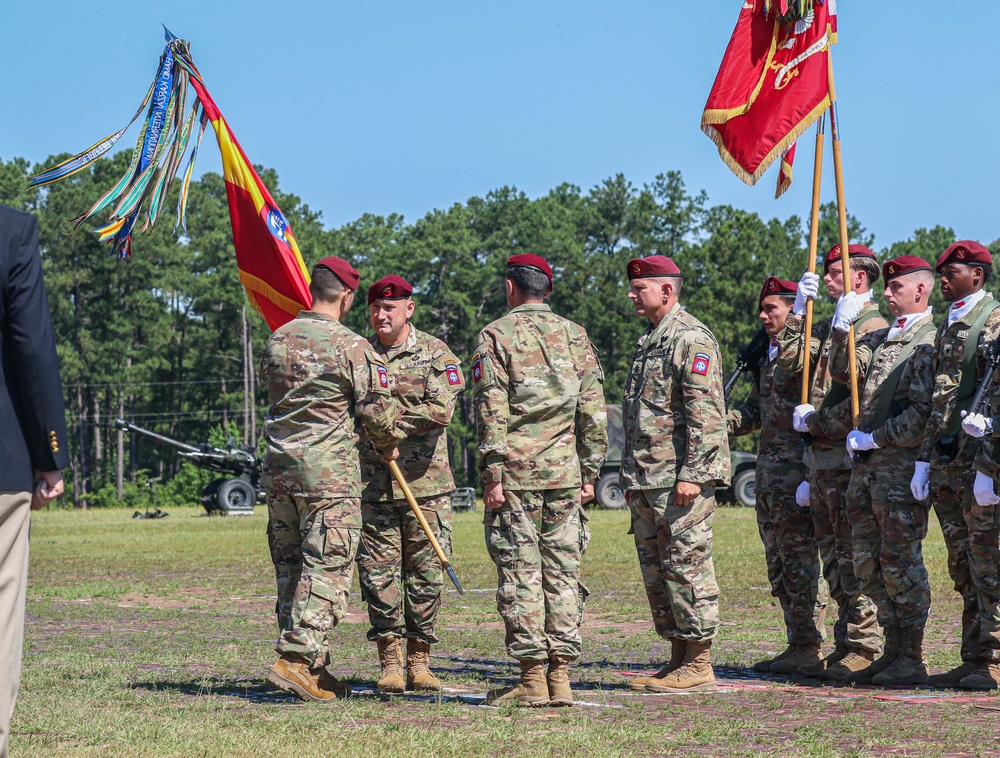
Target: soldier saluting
(676, 453)
(401, 577)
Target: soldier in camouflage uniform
(889, 526)
(542, 439)
(946, 467)
(401, 576)
(676, 453)
(321, 380)
(857, 637)
(793, 567)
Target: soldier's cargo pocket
(444, 532)
(584, 532)
(340, 546)
(582, 594)
(507, 604)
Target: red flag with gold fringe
(772, 85)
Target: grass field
(150, 638)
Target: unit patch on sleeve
(383, 376)
(451, 371)
(701, 363)
(477, 368)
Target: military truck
(609, 493)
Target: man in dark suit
(32, 432)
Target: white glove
(800, 415)
(858, 441)
(976, 424)
(920, 484)
(983, 490)
(808, 288)
(802, 495)
(848, 309)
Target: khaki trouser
(14, 520)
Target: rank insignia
(701, 363)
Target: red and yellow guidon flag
(772, 85)
(271, 268)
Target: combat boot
(763, 667)
(677, 649)
(910, 667)
(557, 679)
(801, 655)
(531, 691)
(815, 669)
(851, 665)
(390, 658)
(985, 677)
(695, 673)
(952, 677)
(890, 652)
(291, 673)
(418, 672)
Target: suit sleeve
(32, 355)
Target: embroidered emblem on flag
(701, 363)
(451, 370)
(477, 367)
(383, 376)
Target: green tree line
(167, 338)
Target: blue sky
(388, 106)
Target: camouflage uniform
(542, 433)
(970, 530)
(829, 476)
(888, 524)
(321, 378)
(674, 417)
(401, 577)
(785, 528)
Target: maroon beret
(654, 265)
(856, 251)
(965, 251)
(776, 286)
(390, 287)
(344, 271)
(536, 262)
(904, 264)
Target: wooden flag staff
(838, 172)
(813, 244)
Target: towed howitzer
(748, 357)
(233, 494)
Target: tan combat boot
(677, 650)
(890, 652)
(694, 675)
(531, 691)
(815, 669)
(985, 677)
(850, 667)
(390, 658)
(764, 666)
(910, 667)
(557, 679)
(801, 655)
(418, 672)
(291, 673)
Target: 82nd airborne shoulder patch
(477, 368)
(383, 377)
(451, 371)
(701, 363)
